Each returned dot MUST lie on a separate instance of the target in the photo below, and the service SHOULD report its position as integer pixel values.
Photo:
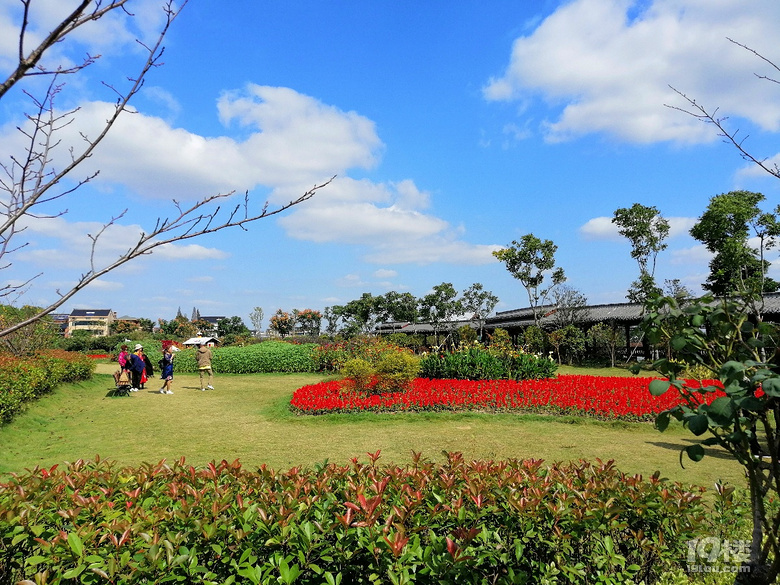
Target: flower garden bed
(603, 397)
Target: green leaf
(698, 424)
(732, 369)
(659, 387)
(695, 452)
(678, 343)
(662, 421)
(771, 387)
(75, 544)
(750, 403)
(74, 572)
(722, 410)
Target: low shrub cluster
(452, 522)
(475, 362)
(25, 379)
(601, 397)
(331, 357)
(370, 364)
(260, 358)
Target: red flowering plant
(602, 397)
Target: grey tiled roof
(618, 312)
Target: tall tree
(307, 321)
(440, 305)
(231, 326)
(256, 317)
(398, 307)
(532, 261)
(478, 303)
(570, 305)
(332, 316)
(646, 229)
(282, 323)
(359, 315)
(725, 228)
(32, 185)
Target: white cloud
(188, 252)
(57, 243)
(293, 140)
(385, 273)
(387, 219)
(350, 281)
(680, 226)
(600, 228)
(106, 285)
(608, 65)
(693, 255)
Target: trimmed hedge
(25, 379)
(454, 522)
(259, 358)
(474, 362)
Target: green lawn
(247, 418)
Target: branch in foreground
(192, 221)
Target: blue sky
(453, 128)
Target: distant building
(132, 322)
(211, 320)
(96, 321)
(207, 341)
(60, 323)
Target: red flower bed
(598, 396)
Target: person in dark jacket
(148, 369)
(166, 363)
(136, 365)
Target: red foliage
(598, 396)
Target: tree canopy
(646, 229)
(725, 229)
(532, 262)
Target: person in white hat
(135, 363)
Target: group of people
(139, 366)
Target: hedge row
(454, 522)
(259, 358)
(479, 363)
(25, 379)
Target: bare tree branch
(30, 181)
(146, 243)
(28, 62)
(730, 136)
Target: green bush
(258, 358)
(475, 362)
(453, 522)
(535, 340)
(331, 357)
(25, 379)
(359, 372)
(396, 370)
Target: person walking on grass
(166, 363)
(203, 357)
